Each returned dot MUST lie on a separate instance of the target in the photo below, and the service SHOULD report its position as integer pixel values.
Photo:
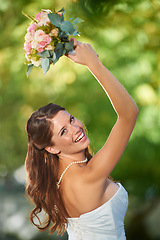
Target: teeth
(80, 137)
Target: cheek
(67, 140)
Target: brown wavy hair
(42, 171)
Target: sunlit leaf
(77, 20)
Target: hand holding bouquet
(47, 39)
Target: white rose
(34, 44)
(29, 36)
(54, 32)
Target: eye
(72, 118)
(63, 132)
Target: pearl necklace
(65, 170)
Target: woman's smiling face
(69, 137)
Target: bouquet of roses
(47, 38)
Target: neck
(69, 159)
(64, 161)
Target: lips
(80, 136)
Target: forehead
(60, 120)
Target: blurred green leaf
(77, 20)
(29, 69)
(45, 65)
(59, 50)
(45, 53)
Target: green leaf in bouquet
(75, 33)
(59, 50)
(76, 28)
(67, 27)
(65, 39)
(62, 34)
(62, 11)
(69, 45)
(55, 19)
(59, 53)
(45, 65)
(64, 51)
(54, 58)
(77, 20)
(29, 69)
(44, 54)
(58, 47)
(50, 53)
(62, 17)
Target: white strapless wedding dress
(103, 223)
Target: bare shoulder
(80, 196)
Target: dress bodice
(103, 223)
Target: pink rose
(27, 46)
(38, 16)
(42, 44)
(40, 49)
(39, 35)
(29, 36)
(47, 39)
(31, 27)
(42, 18)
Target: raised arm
(105, 160)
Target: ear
(52, 149)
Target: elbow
(133, 113)
(136, 111)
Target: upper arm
(104, 161)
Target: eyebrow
(65, 125)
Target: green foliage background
(125, 34)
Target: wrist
(94, 65)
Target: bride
(64, 180)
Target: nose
(75, 129)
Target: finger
(76, 43)
(74, 40)
(71, 57)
